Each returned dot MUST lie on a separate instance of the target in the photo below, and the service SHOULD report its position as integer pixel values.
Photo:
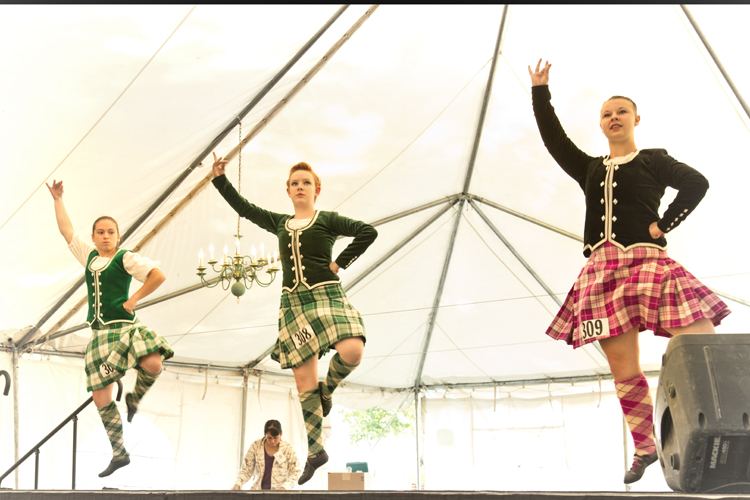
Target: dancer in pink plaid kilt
(629, 284)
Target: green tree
(368, 426)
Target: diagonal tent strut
(515, 253)
(196, 162)
(525, 264)
(525, 217)
(462, 203)
(716, 60)
(438, 296)
(255, 131)
(402, 244)
(449, 201)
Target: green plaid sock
(143, 383)
(113, 425)
(312, 413)
(337, 371)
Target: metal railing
(35, 450)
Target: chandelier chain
(239, 180)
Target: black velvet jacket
(621, 200)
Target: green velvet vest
(108, 289)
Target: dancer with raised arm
(628, 284)
(314, 315)
(118, 341)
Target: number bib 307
(303, 336)
(595, 328)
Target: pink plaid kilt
(641, 287)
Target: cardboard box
(349, 481)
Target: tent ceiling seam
(101, 117)
(462, 351)
(201, 320)
(383, 357)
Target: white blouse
(136, 265)
(298, 223)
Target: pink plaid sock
(638, 409)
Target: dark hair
(635, 108)
(104, 217)
(272, 427)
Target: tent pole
(398, 247)
(485, 103)
(716, 60)
(243, 414)
(14, 360)
(196, 163)
(467, 182)
(438, 296)
(416, 431)
(526, 218)
(413, 211)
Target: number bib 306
(303, 336)
(595, 328)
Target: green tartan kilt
(115, 348)
(311, 321)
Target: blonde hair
(307, 168)
(635, 108)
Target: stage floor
(353, 495)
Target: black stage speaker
(702, 413)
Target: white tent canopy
(479, 233)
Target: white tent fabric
(118, 100)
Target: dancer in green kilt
(314, 316)
(118, 341)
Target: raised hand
(540, 77)
(56, 190)
(219, 166)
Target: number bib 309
(595, 328)
(303, 336)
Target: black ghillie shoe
(312, 465)
(640, 462)
(132, 409)
(115, 464)
(325, 402)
